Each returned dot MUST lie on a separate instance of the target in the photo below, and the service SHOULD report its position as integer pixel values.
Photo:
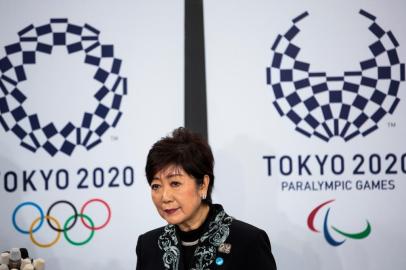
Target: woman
(199, 235)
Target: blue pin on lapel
(219, 261)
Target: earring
(204, 197)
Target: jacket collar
(214, 235)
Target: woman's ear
(205, 185)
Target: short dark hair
(186, 149)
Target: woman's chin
(173, 221)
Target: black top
(226, 243)
(190, 240)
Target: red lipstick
(171, 211)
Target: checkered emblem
(84, 40)
(347, 105)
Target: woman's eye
(154, 186)
(175, 184)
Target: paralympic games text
(62, 179)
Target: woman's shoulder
(239, 226)
(249, 241)
(152, 234)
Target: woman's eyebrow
(173, 174)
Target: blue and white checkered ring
(26, 125)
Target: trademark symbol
(114, 138)
(391, 124)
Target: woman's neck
(197, 221)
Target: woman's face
(177, 197)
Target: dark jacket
(227, 243)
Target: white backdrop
(244, 127)
(148, 37)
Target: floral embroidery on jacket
(205, 253)
(168, 242)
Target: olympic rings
(58, 236)
(108, 216)
(68, 224)
(18, 208)
(66, 233)
(74, 210)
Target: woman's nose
(167, 195)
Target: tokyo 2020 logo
(327, 228)
(33, 133)
(58, 226)
(343, 105)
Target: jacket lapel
(217, 233)
(169, 244)
(205, 254)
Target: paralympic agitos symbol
(56, 225)
(346, 105)
(326, 228)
